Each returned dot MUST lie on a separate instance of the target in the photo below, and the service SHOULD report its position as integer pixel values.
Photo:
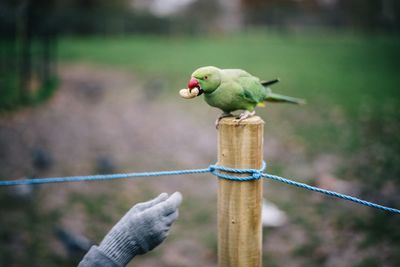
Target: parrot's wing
(252, 89)
(248, 95)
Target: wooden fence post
(240, 203)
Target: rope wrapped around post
(255, 174)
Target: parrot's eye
(205, 77)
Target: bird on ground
(233, 89)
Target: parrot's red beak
(193, 83)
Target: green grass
(344, 77)
(351, 82)
(337, 68)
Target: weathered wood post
(239, 203)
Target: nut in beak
(189, 93)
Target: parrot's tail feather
(271, 82)
(271, 97)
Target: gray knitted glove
(141, 229)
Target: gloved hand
(141, 229)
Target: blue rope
(329, 193)
(100, 177)
(254, 174)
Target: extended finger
(170, 205)
(148, 204)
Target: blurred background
(92, 86)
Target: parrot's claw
(245, 115)
(223, 115)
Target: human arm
(140, 230)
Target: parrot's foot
(245, 115)
(223, 115)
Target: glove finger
(148, 204)
(170, 205)
(171, 218)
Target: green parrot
(234, 89)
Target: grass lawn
(343, 77)
(340, 69)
